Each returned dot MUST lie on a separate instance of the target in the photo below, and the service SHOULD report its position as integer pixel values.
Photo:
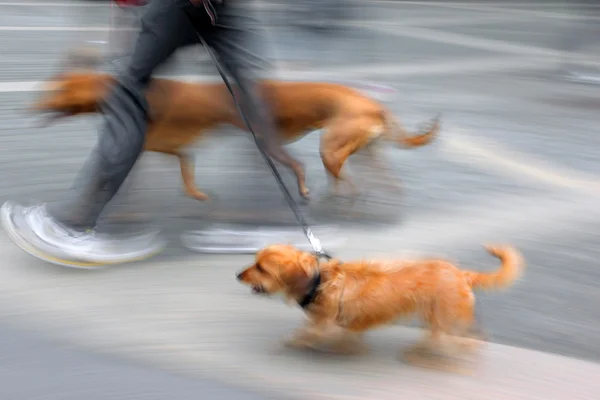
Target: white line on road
(172, 314)
(565, 13)
(458, 3)
(463, 40)
(446, 21)
(85, 4)
(426, 21)
(62, 29)
(396, 23)
(57, 4)
(349, 72)
(499, 219)
(16, 87)
(502, 46)
(262, 4)
(465, 148)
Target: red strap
(130, 3)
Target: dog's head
(281, 269)
(77, 89)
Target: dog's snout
(239, 276)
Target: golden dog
(344, 300)
(181, 112)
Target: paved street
(51, 365)
(516, 161)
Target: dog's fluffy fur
(181, 112)
(353, 297)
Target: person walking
(65, 233)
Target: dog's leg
(340, 141)
(298, 169)
(439, 349)
(327, 337)
(333, 166)
(431, 342)
(428, 353)
(465, 334)
(433, 319)
(186, 164)
(346, 342)
(308, 336)
(462, 344)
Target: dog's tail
(405, 139)
(509, 271)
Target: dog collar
(312, 293)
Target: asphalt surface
(32, 367)
(516, 160)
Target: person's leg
(58, 230)
(239, 46)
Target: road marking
(446, 21)
(152, 340)
(23, 86)
(513, 9)
(565, 13)
(431, 21)
(346, 72)
(426, 21)
(71, 307)
(499, 218)
(463, 40)
(467, 149)
(63, 29)
(88, 4)
(474, 42)
(392, 3)
(57, 4)
(468, 3)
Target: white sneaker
(36, 232)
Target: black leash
(312, 239)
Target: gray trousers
(166, 26)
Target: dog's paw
(195, 194)
(297, 341)
(438, 360)
(200, 196)
(305, 193)
(349, 347)
(468, 344)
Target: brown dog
(181, 112)
(344, 300)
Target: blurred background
(516, 161)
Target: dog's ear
(298, 282)
(299, 274)
(308, 262)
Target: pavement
(77, 374)
(516, 162)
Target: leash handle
(312, 239)
(316, 244)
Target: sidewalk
(193, 318)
